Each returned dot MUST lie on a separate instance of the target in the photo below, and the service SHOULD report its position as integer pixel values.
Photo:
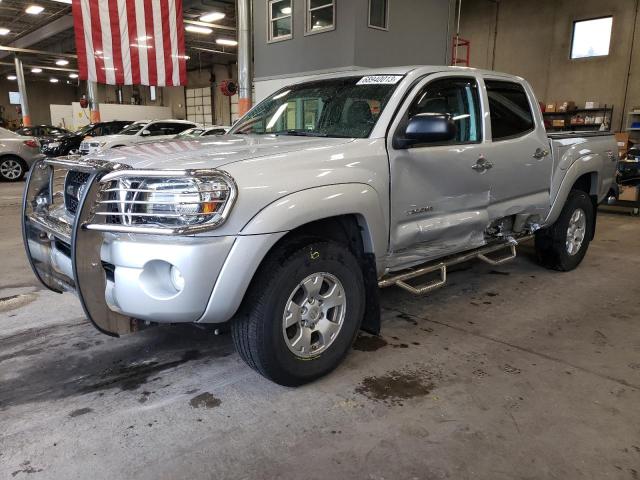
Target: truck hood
(112, 138)
(212, 152)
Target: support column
(22, 88)
(245, 56)
(94, 107)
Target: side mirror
(145, 133)
(427, 128)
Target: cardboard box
(550, 107)
(629, 194)
(591, 105)
(558, 123)
(622, 139)
(566, 106)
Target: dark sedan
(71, 142)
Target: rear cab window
(510, 110)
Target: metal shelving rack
(605, 112)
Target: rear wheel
(12, 169)
(563, 245)
(302, 312)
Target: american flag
(130, 42)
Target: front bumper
(123, 280)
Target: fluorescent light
(197, 29)
(62, 63)
(73, 75)
(63, 1)
(226, 41)
(4, 31)
(286, 10)
(144, 38)
(34, 9)
(54, 80)
(36, 70)
(212, 17)
(11, 77)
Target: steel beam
(245, 56)
(22, 88)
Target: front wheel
(302, 312)
(563, 245)
(12, 169)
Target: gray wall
(417, 35)
(40, 94)
(533, 39)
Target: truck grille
(74, 185)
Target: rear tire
(302, 311)
(12, 168)
(563, 246)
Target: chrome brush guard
(64, 255)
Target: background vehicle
(319, 195)
(43, 132)
(17, 154)
(71, 141)
(142, 131)
(203, 132)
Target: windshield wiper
(301, 133)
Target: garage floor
(509, 373)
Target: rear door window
(510, 110)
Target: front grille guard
(45, 226)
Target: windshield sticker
(380, 80)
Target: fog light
(176, 278)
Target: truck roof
(416, 70)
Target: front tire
(563, 246)
(302, 311)
(12, 169)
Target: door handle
(540, 153)
(482, 164)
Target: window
(379, 14)
(591, 38)
(168, 128)
(320, 16)
(509, 108)
(280, 20)
(346, 107)
(457, 97)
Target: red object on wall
(84, 103)
(228, 88)
(460, 52)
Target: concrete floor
(509, 373)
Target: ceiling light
(286, 10)
(34, 9)
(4, 31)
(63, 1)
(226, 41)
(54, 80)
(73, 75)
(62, 63)
(196, 29)
(11, 77)
(212, 17)
(36, 70)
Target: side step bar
(481, 254)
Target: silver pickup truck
(286, 228)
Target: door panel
(439, 202)
(519, 152)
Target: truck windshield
(133, 129)
(342, 107)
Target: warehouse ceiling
(52, 31)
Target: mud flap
(89, 275)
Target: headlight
(185, 203)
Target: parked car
(325, 191)
(17, 154)
(202, 132)
(43, 132)
(142, 131)
(71, 142)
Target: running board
(481, 254)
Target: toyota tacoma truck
(285, 229)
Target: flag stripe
(151, 55)
(159, 42)
(116, 44)
(133, 35)
(107, 50)
(96, 35)
(166, 43)
(181, 52)
(81, 49)
(89, 59)
(125, 48)
(175, 52)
